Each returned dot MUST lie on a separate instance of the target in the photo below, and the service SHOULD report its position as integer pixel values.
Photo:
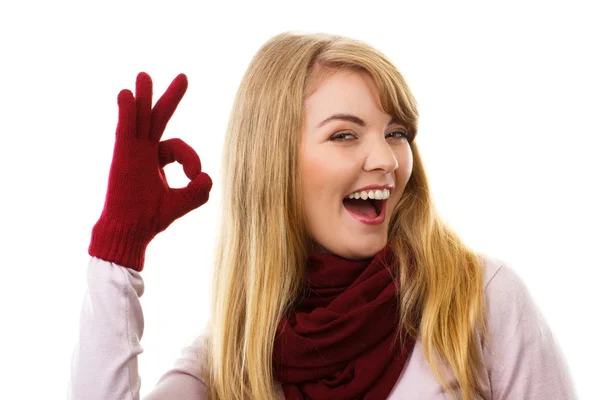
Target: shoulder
(507, 296)
(186, 378)
(193, 359)
(522, 357)
(499, 275)
(510, 307)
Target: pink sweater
(525, 362)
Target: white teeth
(371, 194)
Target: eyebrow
(351, 118)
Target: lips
(368, 210)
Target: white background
(509, 101)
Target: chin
(360, 248)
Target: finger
(126, 123)
(143, 104)
(165, 106)
(177, 150)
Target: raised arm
(104, 362)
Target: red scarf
(337, 343)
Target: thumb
(193, 195)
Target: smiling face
(347, 143)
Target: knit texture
(339, 342)
(139, 203)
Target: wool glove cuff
(120, 242)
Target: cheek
(323, 171)
(323, 176)
(319, 190)
(405, 164)
(402, 173)
(314, 175)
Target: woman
(335, 276)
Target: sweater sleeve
(523, 359)
(104, 363)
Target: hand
(139, 202)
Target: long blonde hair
(263, 241)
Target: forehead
(342, 91)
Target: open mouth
(370, 208)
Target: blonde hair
(263, 241)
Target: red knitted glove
(139, 203)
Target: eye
(400, 135)
(346, 136)
(342, 136)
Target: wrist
(122, 243)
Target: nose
(380, 157)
